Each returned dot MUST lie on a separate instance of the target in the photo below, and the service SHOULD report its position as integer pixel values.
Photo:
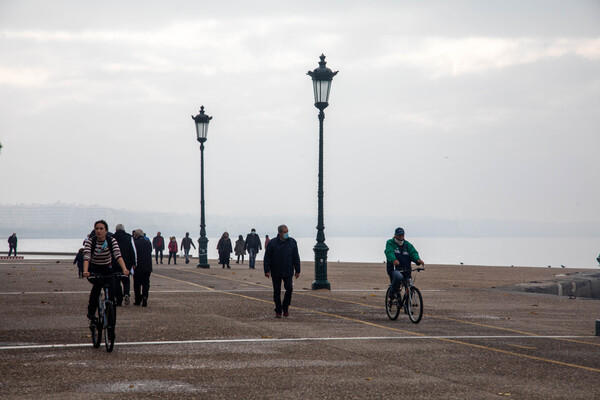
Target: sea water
(531, 252)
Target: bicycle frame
(408, 298)
(106, 310)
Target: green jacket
(390, 251)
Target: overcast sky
(446, 109)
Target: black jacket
(282, 258)
(253, 242)
(158, 243)
(144, 256)
(127, 252)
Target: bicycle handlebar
(95, 275)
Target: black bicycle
(408, 298)
(106, 314)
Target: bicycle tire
(96, 326)
(109, 329)
(415, 305)
(392, 308)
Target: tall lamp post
(322, 78)
(202, 121)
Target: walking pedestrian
(12, 244)
(186, 242)
(253, 246)
(225, 249)
(158, 243)
(79, 260)
(122, 284)
(240, 249)
(173, 250)
(267, 240)
(143, 268)
(282, 264)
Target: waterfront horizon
(521, 252)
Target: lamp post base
(316, 285)
(321, 281)
(202, 252)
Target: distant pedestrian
(148, 239)
(282, 263)
(122, 284)
(267, 240)
(12, 244)
(186, 242)
(225, 250)
(158, 243)
(79, 260)
(173, 250)
(253, 246)
(240, 249)
(143, 268)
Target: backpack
(109, 238)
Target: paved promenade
(212, 334)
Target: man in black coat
(158, 243)
(12, 244)
(253, 246)
(143, 269)
(125, 242)
(282, 263)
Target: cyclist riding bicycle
(399, 253)
(99, 260)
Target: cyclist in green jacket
(399, 253)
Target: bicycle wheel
(391, 306)
(96, 326)
(109, 331)
(414, 305)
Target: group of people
(158, 243)
(104, 253)
(252, 245)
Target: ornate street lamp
(322, 78)
(202, 121)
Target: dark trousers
(251, 257)
(288, 284)
(141, 285)
(10, 250)
(156, 255)
(174, 255)
(97, 288)
(122, 287)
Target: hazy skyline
(458, 110)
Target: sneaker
(277, 315)
(286, 314)
(144, 302)
(126, 299)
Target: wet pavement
(212, 334)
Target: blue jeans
(186, 252)
(397, 278)
(251, 257)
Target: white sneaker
(126, 299)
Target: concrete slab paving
(212, 334)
